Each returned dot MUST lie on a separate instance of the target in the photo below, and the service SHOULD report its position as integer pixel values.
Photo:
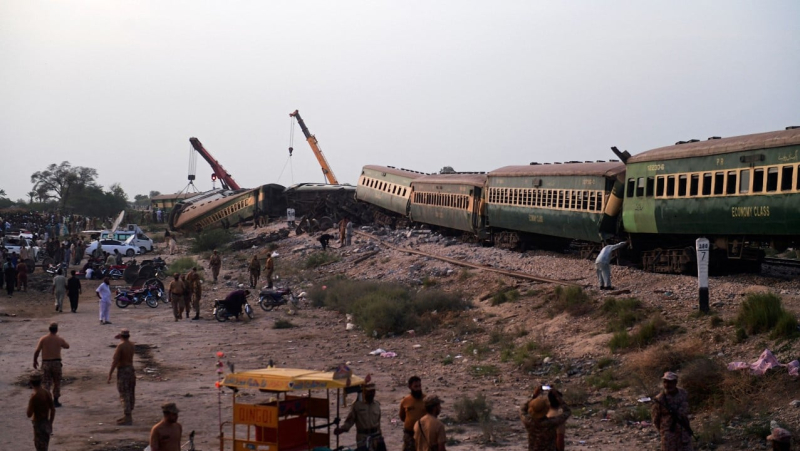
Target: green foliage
(715, 321)
(381, 308)
(572, 300)
(283, 324)
(318, 259)
(472, 409)
(640, 412)
(622, 313)
(448, 360)
(763, 312)
(605, 362)
(428, 282)
(606, 379)
(741, 335)
(502, 297)
(702, 378)
(211, 239)
(182, 265)
(464, 275)
(63, 181)
(646, 334)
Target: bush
(211, 239)
(622, 313)
(572, 300)
(318, 259)
(472, 409)
(505, 296)
(648, 366)
(182, 265)
(283, 324)
(702, 378)
(763, 312)
(606, 379)
(386, 308)
(646, 334)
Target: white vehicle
(140, 240)
(127, 249)
(13, 243)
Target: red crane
(224, 178)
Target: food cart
(290, 418)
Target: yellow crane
(312, 141)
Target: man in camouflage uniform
(365, 415)
(543, 430)
(126, 377)
(187, 292)
(42, 412)
(216, 264)
(675, 436)
(197, 292)
(50, 347)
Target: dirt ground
(175, 361)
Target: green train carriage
(453, 201)
(739, 192)
(547, 204)
(386, 187)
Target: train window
(670, 186)
(772, 180)
(640, 187)
(682, 182)
(758, 180)
(708, 180)
(744, 181)
(694, 185)
(650, 186)
(631, 186)
(787, 172)
(585, 205)
(719, 183)
(660, 185)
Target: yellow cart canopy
(288, 379)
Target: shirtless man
(41, 412)
(166, 434)
(50, 346)
(126, 377)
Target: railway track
(785, 262)
(515, 274)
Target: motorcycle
(150, 295)
(270, 298)
(156, 267)
(111, 271)
(222, 313)
(53, 269)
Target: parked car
(13, 243)
(109, 246)
(140, 240)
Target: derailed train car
(388, 188)
(742, 193)
(454, 201)
(226, 208)
(531, 205)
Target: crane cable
(291, 148)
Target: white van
(137, 239)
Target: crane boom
(224, 178)
(312, 141)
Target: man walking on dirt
(166, 434)
(670, 415)
(74, 291)
(197, 292)
(126, 377)
(216, 264)
(255, 271)
(175, 295)
(342, 231)
(365, 415)
(42, 412)
(412, 409)
(187, 292)
(269, 267)
(50, 347)
(104, 294)
(59, 289)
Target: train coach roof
(454, 179)
(607, 169)
(395, 171)
(721, 146)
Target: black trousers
(73, 302)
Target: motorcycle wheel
(248, 310)
(160, 274)
(221, 314)
(151, 301)
(121, 304)
(266, 304)
(154, 281)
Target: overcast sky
(121, 86)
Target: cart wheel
(131, 273)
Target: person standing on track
(126, 376)
(50, 347)
(104, 294)
(42, 412)
(216, 264)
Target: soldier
(215, 263)
(670, 415)
(255, 271)
(50, 346)
(188, 281)
(175, 295)
(342, 231)
(42, 412)
(269, 267)
(543, 430)
(166, 434)
(59, 289)
(429, 433)
(412, 408)
(126, 377)
(197, 292)
(365, 415)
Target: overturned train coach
(226, 208)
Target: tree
(63, 180)
(31, 195)
(2, 193)
(154, 194)
(141, 200)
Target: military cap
(123, 333)
(669, 376)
